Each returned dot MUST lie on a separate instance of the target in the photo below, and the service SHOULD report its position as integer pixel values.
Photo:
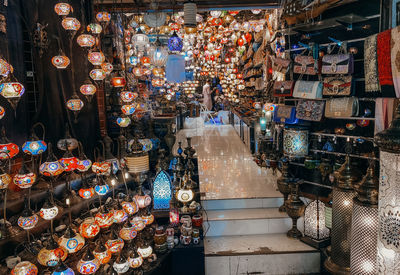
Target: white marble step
(241, 203)
(259, 254)
(245, 221)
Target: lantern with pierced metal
(389, 200)
(343, 193)
(316, 233)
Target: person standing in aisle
(207, 95)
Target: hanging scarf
(395, 55)
(384, 109)
(384, 58)
(371, 65)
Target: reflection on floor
(245, 233)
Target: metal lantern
(389, 200)
(316, 233)
(190, 12)
(138, 161)
(364, 227)
(140, 39)
(343, 193)
(295, 143)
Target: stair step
(242, 203)
(245, 214)
(259, 254)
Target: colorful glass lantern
(86, 40)
(94, 28)
(5, 179)
(162, 191)
(52, 254)
(101, 168)
(140, 39)
(97, 74)
(138, 223)
(102, 189)
(295, 143)
(51, 167)
(75, 104)
(25, 178)
(174, 216)
(184, 195)
(118, 82)
(62, 9)
(143, 201)
(5, 68)
(107, 67)
(135, 262)
(10, 90)
(8, 150)
(88, 89)
(60, 61)
(89, 228)
(115, 243)
(158, 55)
(49, 210)
(148, 219)
(62, 269)
(123, 121)
(88, 264)
(121, 264)
(157, 82)
(127, 232)
(104, 219)
(28, 220)
(69, 162)
(84, 165)
(103, 16)
(102, 254)
(128, 109)
(145, 60)
(145, 251)
(130, 205)
(71, 24)
(175, 43)
(86, 193)
(25, 268)
(120, 216)
(71, 241)
(34, 147)
(96, 58)
(127, 96)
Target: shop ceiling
(170, 5)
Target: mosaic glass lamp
(86, 40)
(114, 243)
(316, 233)
(364, 227)
(342, 204)
(88, 264)
(62, 269)
(389, 201)
(102, 254)
(71, 24)
(24, 178)
(34, 146)
(162, 194)
(62, 9)
(295, 143)
(175, 43)
(25, 268)
(52, 254)
(51, 167)
(71, 241)
(12, 91)
(49, 210)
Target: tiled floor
(226, 167)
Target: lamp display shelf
(344, 154)
(371, 139)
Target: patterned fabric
(371, 65)
(310, 110)
(342, 107)
(338, 64)
(307, 89)
(304, 65)
(395, 56)
(337, 86)
(384, 58)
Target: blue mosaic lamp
(175, 43)
(162, 191)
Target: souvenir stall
(93, 93)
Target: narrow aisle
(226, 167)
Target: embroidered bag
(311, 110)
(337, 86)
(308, 89)
(342, 107)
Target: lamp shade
(25, 268)
(94, 28)
(88, 89)
(71, 24)
(97, 74)
(71, 241)
(159, 56)
(389, 201)
(86, 40)
(140, 39)
(103, 16)
(62, 9)
(162, 191)
(175, 43)
(190, 11)
(96, 58)
(295, 143)
(314, 224)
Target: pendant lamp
(88, 264)
(71, 241)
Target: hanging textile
(175, 70)
(384, 59)
(371, 64)
(395, 56)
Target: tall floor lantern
(342, 203)
(388, 260)
(364, 225)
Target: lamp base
(316, 243)
(282, 208)
(333, 268)
(294, 233)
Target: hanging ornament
(62, 9)
(140, 40)
(89, 228)
(96, 57)
(118, 82)
(69, 162)
(130, 205)
(120, 215)
(88, 264)
(104, 218)
(101, 168)
(12, 91)
(88, 89)
(145, 60)
(5, 68)
(114, 243)
(107, 67)
(175, 43)
(62, 269)
(103, 17)
(123, 122)
(75, 104)
(102, 254)
(8, 150)
(34, 146)
(51, 167)
(28, 219)
(121, 264)
(94, 28)
(86, 192)
(60, 61)
(137, 223)
(97, 74)
(86, 40)
(52, 254)
(84, 163)
(49, 210)
(71, 24)
(127, 96)
(128, 109)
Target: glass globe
(71, 241)
(25, 268)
